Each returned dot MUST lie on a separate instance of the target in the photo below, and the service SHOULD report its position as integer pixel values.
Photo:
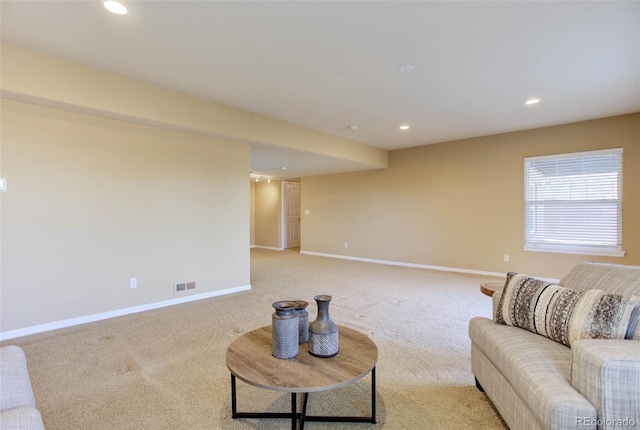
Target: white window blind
(573, 203)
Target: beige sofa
(17, 403)
(537, 383)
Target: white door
(291, 214)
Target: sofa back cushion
(611, 278)
(564, 314)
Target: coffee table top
(249, 359)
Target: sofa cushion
(563, 314)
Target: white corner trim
(399, 263)
(12, 334)
(268, 247)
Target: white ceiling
(330, 64)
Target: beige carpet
(165, 369)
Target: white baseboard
(268, 247)
(400, 263)
(12, 334)
(420, 266)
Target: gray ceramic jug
(323, 333)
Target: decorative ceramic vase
(323, 333)
(303, 321)
(284, 330)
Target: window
(573, 203)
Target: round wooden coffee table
(249, 359)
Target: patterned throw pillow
(563, 314)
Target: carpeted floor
(165, 369)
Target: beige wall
(460, 204)
(92, 202)
(268, 214)
(86, 243)
(37, 78)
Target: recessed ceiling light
(404, 127)
(532, 101)
(353, 127)
(115, 7)
(406, 68)
(284, 168)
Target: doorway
(290, 215)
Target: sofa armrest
(15, 385)
(495, 300)
(25, 418)
(607, 374)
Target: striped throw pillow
(563, 314)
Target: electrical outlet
(506, 258)
(133, 282)
(181, 287)
(191, 285)
(346, 244)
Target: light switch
(307, 212)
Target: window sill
(575, 251)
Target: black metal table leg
(234, 411)
(301, 417)
(294, 412)
(342, 419)
(373, 395)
